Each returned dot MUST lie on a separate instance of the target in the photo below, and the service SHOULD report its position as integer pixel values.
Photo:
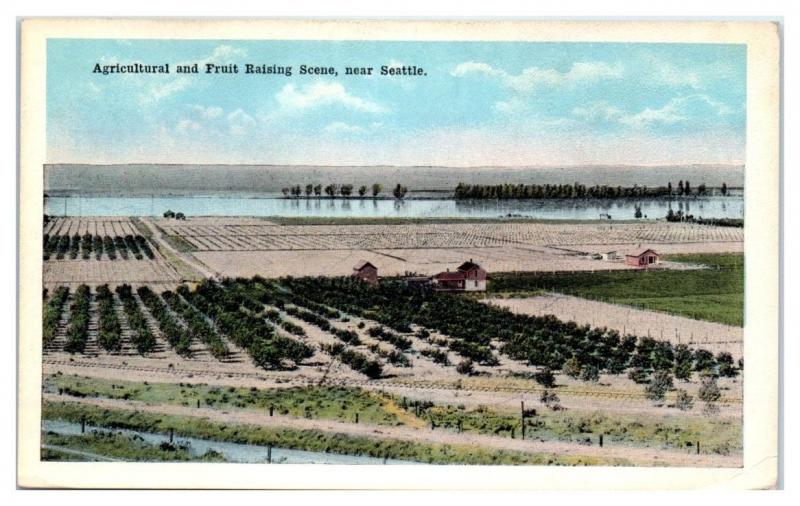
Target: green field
(336, 403)
(310, 440)
(714, 294)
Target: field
(715, 293)
(249, 330)
(325, 360)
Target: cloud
(340, 127)
(321, 94)
(207, 112)
(186, 126)
(239, 122)
(678, 110)
(534, 77)
(598, 111)
(157, 92)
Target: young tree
(709, 390)
(684, 401)
(317, 190)
(465, 367)
(725, 366)
(572, 367)
(309, 189)
(551, 400)
(680, 187)
(331, 189)
(657, 389)
(362, 190)
(545, 377)
(687, 188)
(704, 362)
(286, 191)
(346, 190)
(377, 188)
(590, 373)
(669, 188)
(399, 191)
(683, 362)
(169, 213)
(724, 189)
(180, 216)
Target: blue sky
(480, 103)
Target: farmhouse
(642, 258)
(468, 277)
(366, 272)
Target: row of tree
(577, 191)
(679, 216)
(141, 337)
(51, 315)
(539, 340)
(88, 244)
(345, 190)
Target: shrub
(590, 373)
(545, 377)
(551, 400)
(656, 390)
(683, 362)
(684, 401)
(572, 367)
(725, 365)
(638, 375)
(465, 367)
(709, 390)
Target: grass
(309, 440)
(334, 403)
(117, 447)
(714, 294)
(328, 403)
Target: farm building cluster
(467, 277)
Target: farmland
(715, 293)
(250, 331)
(314, 351)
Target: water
(233, 452)
(552, 209)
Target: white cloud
(598, 111)
(677, 110)
(239, 122)
(207, 112)
(186, 126)
(157, 92)
(340, 127)
(320, 94)
(534, 77)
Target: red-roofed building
(468, 277)
(366, 272)
(642, 258)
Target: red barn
(468, 277)
(642, 259)
(366, 272)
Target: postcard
(291, 254)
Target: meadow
(715, 293)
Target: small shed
(365, 271)
(642, 258)
(609, 255)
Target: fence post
(270, 410)
(522, 418)
(698, 448)
(269, 454)
(198, 403)
(83, 424)
(171, 434)
(356, 417)
(601, 440)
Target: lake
(237, 205)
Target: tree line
(345, 190)
(579, 191)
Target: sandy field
(97, 272)
(714, 337)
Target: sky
(478, 104)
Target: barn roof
(363, 263)
(639, 252)
(450, 276)
(468, 266)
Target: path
(158, 238)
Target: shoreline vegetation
(581, 191)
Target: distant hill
(139, 179)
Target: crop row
(173, 332)
(109, 335)
(62, 246)
(198, 325)
(141, 336)
(52, 314)
(78, 329)
(538, 340)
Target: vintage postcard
(486, 254)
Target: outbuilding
(366, 272)
(642, 259)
